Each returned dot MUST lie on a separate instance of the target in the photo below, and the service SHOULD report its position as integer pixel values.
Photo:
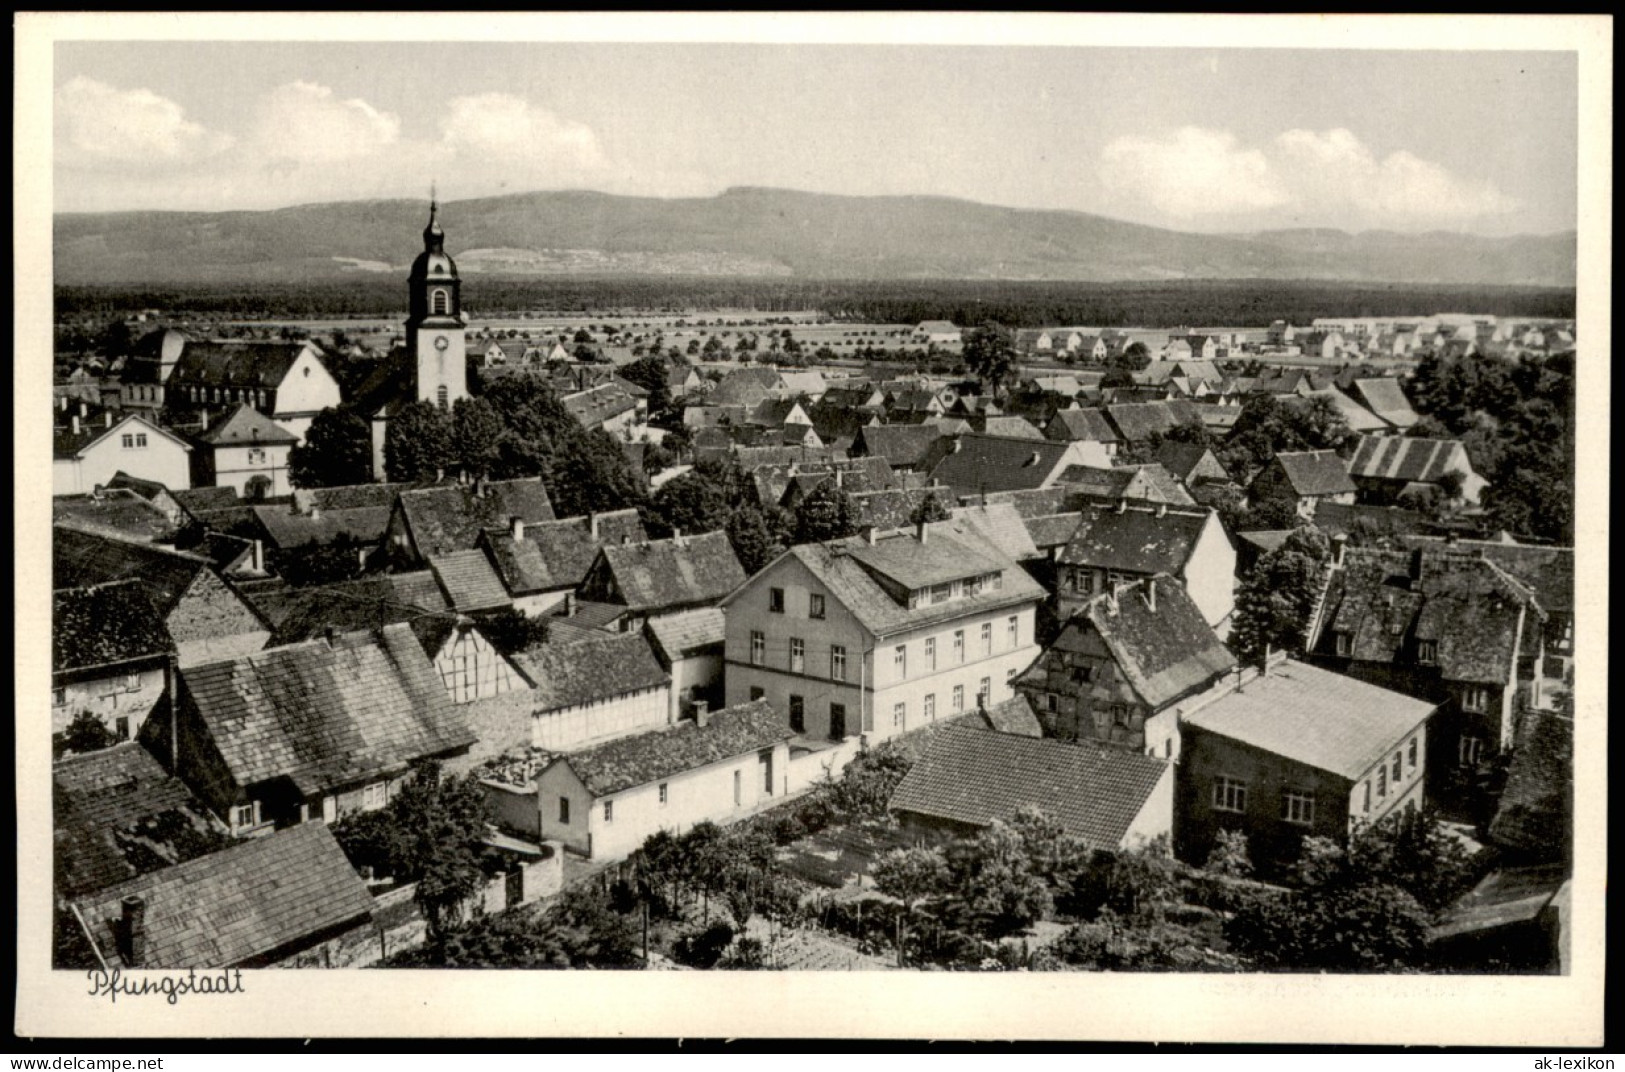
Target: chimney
(332, 636)
(1122, 506)
(702, 713)
(439, 475)
(957, 445)
(84, 411)
(594, 526)
(256, 559)
(922, 530)
(1162, 509)
(517, 525)
(479, 487)
(74, 420)
(677, 536)
(64, 405)
(839, 475)
(1151, 594)
(1264, 668)
(315, 511)
(133, 931)
(1339, 542)
(870, 535)
(1032, 460)
(203, 418)
(107, 419)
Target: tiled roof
(116, 511)
(327, 715)
(1535, 813)
(746, 387)
(1506, 896)
(588, 667)
(1182, 459)
(238, 363)
(905, 445)
(1052, 530)
(117, 814)
(1149, 483)
(1315, 717)
(1000, 527)
(1137, 421)
(1315, 472)
(802, 383)
(1357, 417)
(66, 443)
(590, 615)
(244, 424)
(596, 405)
(241, 903)
(557, 554)
(1408, 460)
(81, 559)
(995, 463)
(1348, 519)
(673, 573)
(193, 500)
(1014, 715)
(469, 580)
(951, 551)
(450, 517)
(1136, 539)
(1548, 571)
(287, 530)
(976, 776)
(894, 507)
(147, 489)
(302, 613)
(648, 757)
(1082, 423)
(1012, 427)
(105, 624)
(675, 634)
(348, 497)
(1164, 654)
(1384, 397)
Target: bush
(703, 949)
(747, 954)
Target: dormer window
(1345, 644)
(1427, 651)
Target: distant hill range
(766, 233)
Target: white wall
(1156, 817)
(577, 727)
(702, 672)
(110, 699)
(1210, 575)
(307, 388)
(233, 468)
(163, 460)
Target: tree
(931, 509)
(910, 875)
(337, 451)
(86, 733)
(1413, 852)
(503, 941)
(418, 444)
(476, 435)
(994, 883)
(649, 373)
(825, 514)
(1133, 358)
(1276, 597)
(866, 786)
(1229, 856)
(990, 353)
(755, 542)
(692, 503)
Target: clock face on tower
(440, 342)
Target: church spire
(433, 237)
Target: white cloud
(514, 131)
(304, 122)
(1326, 178)
(96, 123)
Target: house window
(564, 810)
(758, 648)
(899, 716)
(441, 303)
(959, 645)
(757, 692)
(930, 706)
(59, 697)
(609, 811)
(775, 600)
(930, 653)
(1382, 781)
(1413, 753)
(1229, 794)
(664, 794)
(739, 787)
(984, 692)
(837, 722)
(1121, 716)
(900, 660)
(129, 442)
(837, 662)
(1476, 698)
(1013, 629)
(1049, 701)
(442, 397)
(374, 796)
(242, 815)
(798, 714)
(256, 456)
(1298, 807)
(959, 698)
(1367, 795)
(815, 605)
(1345, 644)
(1427, 651)
(1399, 770)
(987, 638)
(1469, 750)
(940, 593)
(121, 727)
(798, 655)
(973, 586)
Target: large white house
(87, 454)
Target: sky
(1199, 139)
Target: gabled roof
(1138, 421)
(1136, 539)
(949, 552)
(892, 508)
(1314, 472)
(975, 776)
(1408, 460)
(1149, 482)
(743, 729)
(450, 517)
(1535, 814)
(303, 613)
(106, 624)
(1164, 654)
(904, 445)
(802, 383)
(1315, 717)
(1547, 571)
(588, 666)
(1050, 531)
(675, 635)
(1506, 896)
(117, 814)
(557, 554)
(203, 500)
(348, 497)
(1013, 427)
(239, 362)
(1014, 715)
(288, 530)
(673, 573)
(594, 406)
(244, 425)
(232, 906)
(1357, 417)
(1083, 423)
(1182, 459)
(1000, 527)
(469, 581)
(1347, 519)
(327, 715)
(983, 463)
(116, 511)
(81, 559)
(66, 443)
(1386, 398)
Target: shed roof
(675, 635)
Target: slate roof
(1084, 423)
(1408, 460)
(117, 814)
(1000, 527)
(1138, 421)
(245, 425)
(1315, 472)
(288, 530)
(327, 716)
(674, 635)
(239, 904)
(902, 445)
(997, 463)
(1315, 717)
(976, 776)
(469, 581)
(1164, 654)
(116, 512)
(1136, 539)
(105, 624)
(675, 572)
(1384, 397)
(587, 667)
(743, 729)
(81, 559)
(238, 362)
(1014, 715)
(348, 497)
(451, 517)
(1548, 571)
(1534, 817)
(194, 500)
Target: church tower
(435, 328)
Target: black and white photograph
(880, 503)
